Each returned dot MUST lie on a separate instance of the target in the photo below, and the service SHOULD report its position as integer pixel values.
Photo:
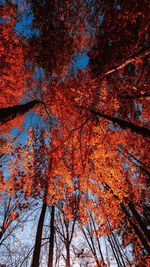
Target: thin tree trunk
(137, 96)
(139, 163)
(51, 240)
(141, 54)
(9, 113)
(38, 241)
(139, 220)
(93, 244)
(136, 229)
(118, 250)
(85, 235)
(97, 238)
(97, 261)
(122, 252)
(116, 244)
(146, 213)
(145, 132)
(114, 252)
(5, 220)
(134, 226)
(2, 232)
(68, 254)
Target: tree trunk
(134, 226)
(141, 54)
(139, 221)
(68, 254)
(2, 231)
(97, 238)
(51, 240)
(140, 164)
(116, 245)
(137, 96)
(9, 113)
(146, 214)
(97, 261)
(136, 229)
(37, 247)
(145, 132)
(114, 251)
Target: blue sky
(24, 26)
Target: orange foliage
(88, 164)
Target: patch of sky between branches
(79, 62)
(39, 73)
(4, 20)
(126, 166)
(101, 18)
(114, 127)
(32, 120)
(24, 26)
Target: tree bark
(68, 254)
(97, 238)
(139, 220)
(2, 231)
(51, 240)
(114, 251)
(145, 132)
(38, 241)
(137, 231)
(140, 164)
(137, 96)
(141, 54)
(116, 245)
(9, 113)
(91, 245)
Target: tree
(116, 42)
(9, 113)
(80, 163)
(51, 239)
(13, 70)
(38, 241)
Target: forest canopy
(75, 133)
